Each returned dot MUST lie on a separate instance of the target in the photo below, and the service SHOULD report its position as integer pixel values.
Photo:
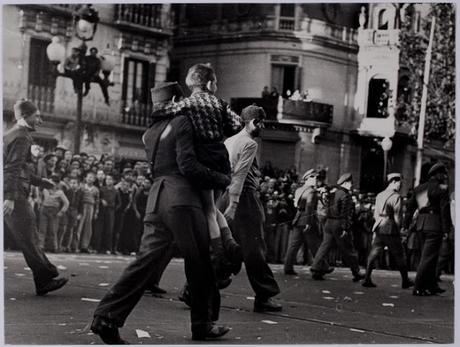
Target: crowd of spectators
(98, 205)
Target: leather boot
(232, 249)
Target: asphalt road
(334, 311)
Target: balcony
(136, 114)
(285, 111)
(271, 26)
(143, 17)
(43, 97)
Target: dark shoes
(368, 284)
(214, 332)
(290, 272)
(107, 331)
(407, 284)
(52, 285)
(357, 277)
(317, 276)
(330, 270)
(266, 306)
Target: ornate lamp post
(80, 68)
(386, 146)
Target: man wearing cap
(174, 213)
(305, 222)
(18, 213)
(387, 216)
(338, 229)
(244, 210)
(433, 223)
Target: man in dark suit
(433, 223)
(338, 229)
(18, 212)
(174, 213)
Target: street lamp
(79, 67)
(386, 146)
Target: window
(138, 79)
(40, 68)
(284, 79)
(377, 106)
(383, 20)
(42, 81)
(287, 17)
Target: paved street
(332, 311)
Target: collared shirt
(242, 150)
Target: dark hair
(199, 75)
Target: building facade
(345, 56)
(136, 37)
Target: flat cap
(164, 91)
(437, 168)
(252, 112)
(344, 178)
(310, 173)
(393, 175)
(24, 108)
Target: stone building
(345, 56)
(136, 38)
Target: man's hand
(46, 183)
(60, 214)
(8, 207)
(344, 234)
(230, 211)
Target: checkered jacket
(211, 117)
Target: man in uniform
(338, 229)
(387, 216)
(174, 214)
(244, 209)
(433, 223)
(305, 223)
(18, 213)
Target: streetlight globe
(386, 144)
(55, 50)
(107, 63)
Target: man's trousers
(187, 227)
(426, 271)
(333, 234)
(23, 226)
(247, 228)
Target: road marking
(90, 300)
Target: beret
(437, 168)
(344, 178)
(309, 173)
(164, 91)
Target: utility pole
(421, 123)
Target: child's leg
(211, 213)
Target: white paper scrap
(90, 300)
(141, 333)
(250, 298)
(357, 330)
(103, 284)
(394, 296)
(61, 267)
(13, 299)
(27, 268)
(358, 293)
(103, 267)
(326, 292)
(19, 274)
(388, 304)
(328, 298)
(269, 321)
